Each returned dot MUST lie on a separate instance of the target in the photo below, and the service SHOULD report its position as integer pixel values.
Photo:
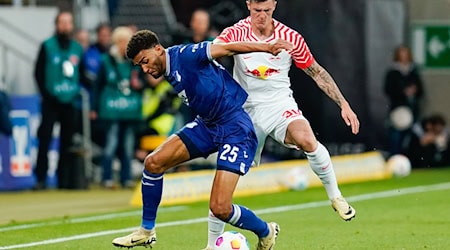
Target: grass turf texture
(411, 221)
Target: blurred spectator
(429, 143)
(5, 122)
(133, 28)
(403, 87)
(199, 27)
(82, 37)
(57, 77)
(118, 102)
(92, 58)
(89, 69)
(160, 105)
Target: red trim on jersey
(242, 31)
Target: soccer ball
(296, 179)
(401, 118)
(231, 240)
(399, 165)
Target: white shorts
(273, 121)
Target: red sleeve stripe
(236, 33)
(225, 35)
(300, 54)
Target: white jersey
(266, 77)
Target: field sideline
(412, 209)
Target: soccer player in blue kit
(221, 126)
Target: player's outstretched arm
(229, 49)
(327, 84)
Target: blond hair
(121, 33)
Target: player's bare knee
(221, 211)
(307, 142)
(152, 164)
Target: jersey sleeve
(301, 54)
(239, 32)
(198, 52)
(227, 35)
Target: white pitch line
(370, 196)
(362, 197)
(88, 219)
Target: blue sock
(151, 185)
(244, 218)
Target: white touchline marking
(89, 219)
(370, 196)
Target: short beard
(64, 35)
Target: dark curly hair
(141, 40)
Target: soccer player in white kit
(270, 103)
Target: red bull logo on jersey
(263, 72)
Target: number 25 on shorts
(229, 153)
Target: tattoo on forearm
(325, 82)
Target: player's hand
(350, 117)
(280, 45)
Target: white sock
(321, 164)
(215, 228)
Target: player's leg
(293, 130)
(239, 216)
(215, 225)
(299, 133)
(235, 156)
(190, 142)
(215, 228)
(172, 152)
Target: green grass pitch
(408, 213)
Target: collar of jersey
(269, 39)
(167, 62)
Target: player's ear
(248, 4)
(159, 50)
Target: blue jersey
(202, 83)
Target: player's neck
(264, 33)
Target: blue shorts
(235, 140)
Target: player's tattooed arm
(325, 82)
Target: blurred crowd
(424, 139)
(130, 112)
